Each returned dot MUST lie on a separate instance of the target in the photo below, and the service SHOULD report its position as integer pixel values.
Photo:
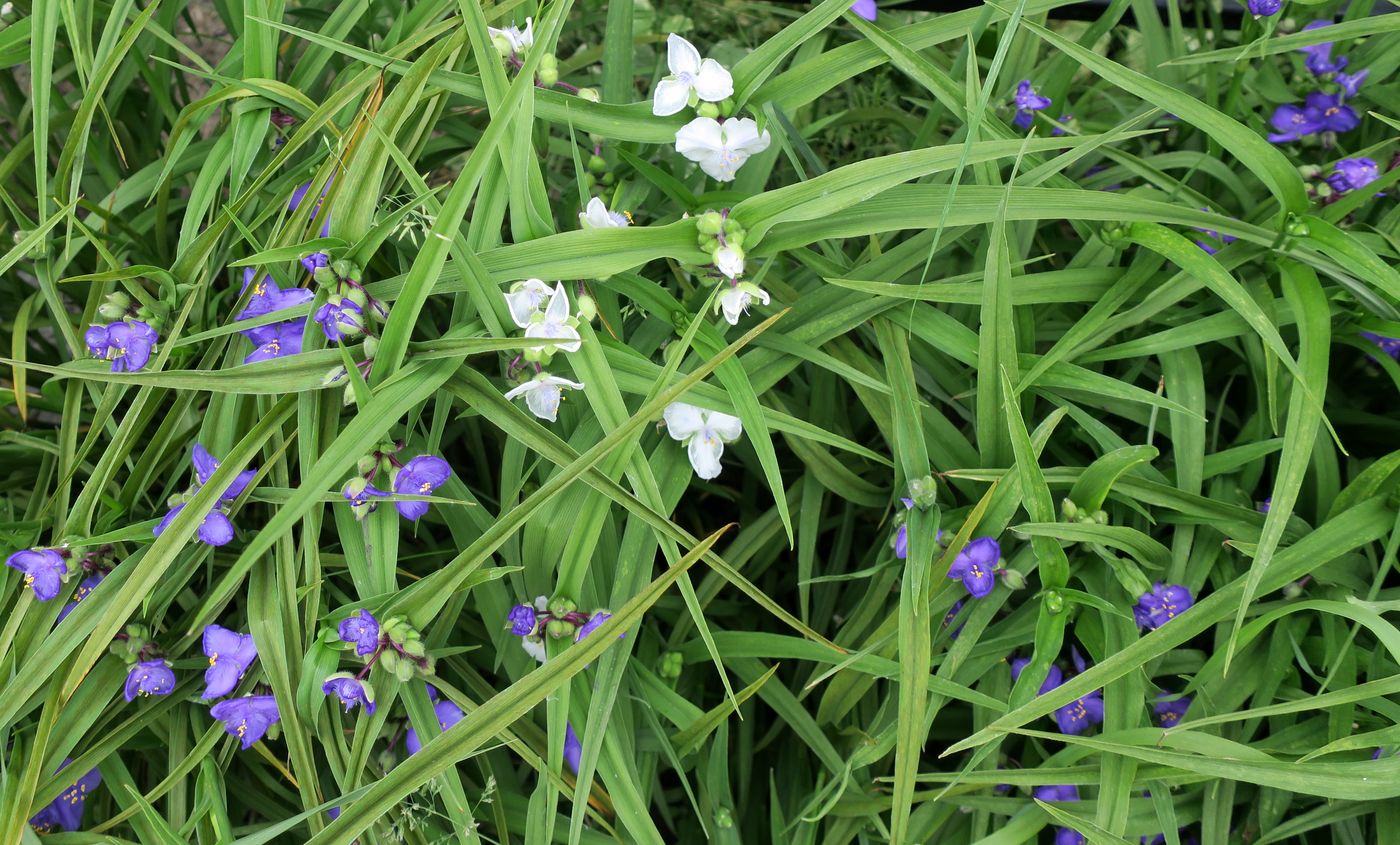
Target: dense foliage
(613, 421)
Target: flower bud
(346, 269)
(590, 180)
(1293, 589)
(590, 94)
(502, 45)
(709, 110)
(608, 178)
(404, 670)
(325, 277)
(558, 629)
(110, 312)
(671, 665)
(389, 660)
(587, 308)
(1054, 602)
(548, 74)
(366, 464)
(1101, 517)
(597, 164)
(414, 648)
(1013, 579)
(924, 491)
(559, 606)
(1069, 510)
(371, 347)
(709, 223)
(1297, 227)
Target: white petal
(723, 164)
(534, 648)
(727, 426)
(700, 137)
(556, 331)
(682, 420)
(743, 135)
(595, 216)
(729, 262)
(522, 389)
(525, 300)
(734, 303)
(558, 309)
(681, 55)
(561, 382)
(543, 401)
(526, 38)
(704, 453)
(671, 95)
(713, 83)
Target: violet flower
(1352, 174)
(339, 320)
(247, 718)
(1320, 112)
(277, 340)
(1351, 82)
(420, 477)
(594, 623)
(1077, 716)
(865, 8)
(1169, 710)
(976, 565)
(1264, 8)
(350, 690)
(315, 261)
(84, 590)
(1164, 603)
(1319, 56)
(573, 749)
(901, 537)
(216, 529)
(127, 344)
(268, 298)
(230, 654)
(1388, 345)
(1067, 792)
(1028, 102)
(522, 620)
(448, 714)
(44, 571)
(300, 194)
(362, 629)
(65, 813)
(149, 677)
(1068, 836)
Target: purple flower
(230, 654)
(522, 620)
(1320, 112)
(1052, 679)
(1266, 504)
(1068, 836)
(362, 629)
(1319, 56)
(126, 344)
(1058, 129)
(267, 297)
(276, 341)
(594, 623)
(573, 749)
(976, 565)
(1161, 605)
(1169, 711)
(1351, 82)
(315, 261)
(215, 530)
(359, 496)
(867, 10)
(350, 691)
(149, 677)
(340, 320)
(205, 465)
(1352, 174)
(1264, 8)
(66, 811)
(247, 718)
(951, 615)
(420, 477)
(1076, 717)
(1067, 792)
(448, 714)
(1028, 102)
(901, 537)
(44, 571)
(1388, 345)
(84, 589)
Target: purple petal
(216, 530)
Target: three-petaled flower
(1264, 8)
(1352, 174)
(525, 299)
(721, 148)
(542, 393)
(551, 323)
(976, 566)
(1057, 792)
(340, 318)
(1074, 717)
(247, 718)
(84, 590)
(1388, 345)
(361, 629)
(1161, 605)
(1169, 709)
(734, 301)
(594, 623)
(149, 677)
(1320, 112)
(127, 344)
(419, 477)
(350, 690)
(275, 340)
(704, 433)
(65, 813)
(692, 79)
(513, 39)
(1028, 102)
(44, 571)
(230, 654)
(216, 530)
(1319, 56)
(597, 216)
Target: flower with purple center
(573, 749)
(230, 654)
(44, 571)
(268, 298)
(350, 690)
(149, 677)
(1169, 710)
(1320, 112)
(522, 620)
(1264, 8)
(1319, 56)
(127, 344)
(84, 590)
(1352, 174)
(1028, 102)
(362, 629)
(1055, 792)
(247, 718)
(976, 565)
(448, 714)
(865, 8)
(1163, 604)
(1388, 345)
(65, 813)
(340, 319)
(419, 477)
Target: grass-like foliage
(590, 421)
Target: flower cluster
(349, 311)
(216, 529)
(557, 618)
(272, 340)
(1321, 112)
(420, 476)
(715, 140)
(722, 238)
(394, 646)
(704, 434)
(543, 313)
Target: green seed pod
(1054, 602)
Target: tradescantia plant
(626, 422)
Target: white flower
(704, 433)
(555, 322)
(721, 149)
(518, 40)
(525, 299)
(730, 261)
(542, 394)
(736, 300)
(533, 647)
(706, 78)
(597, 216)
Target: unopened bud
(597, 164)
(709, 223)
(346, 269)
(590, 94)
(548, 73)
(587, 308)
(924, 491)
(1013, 579)
(709, 110)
